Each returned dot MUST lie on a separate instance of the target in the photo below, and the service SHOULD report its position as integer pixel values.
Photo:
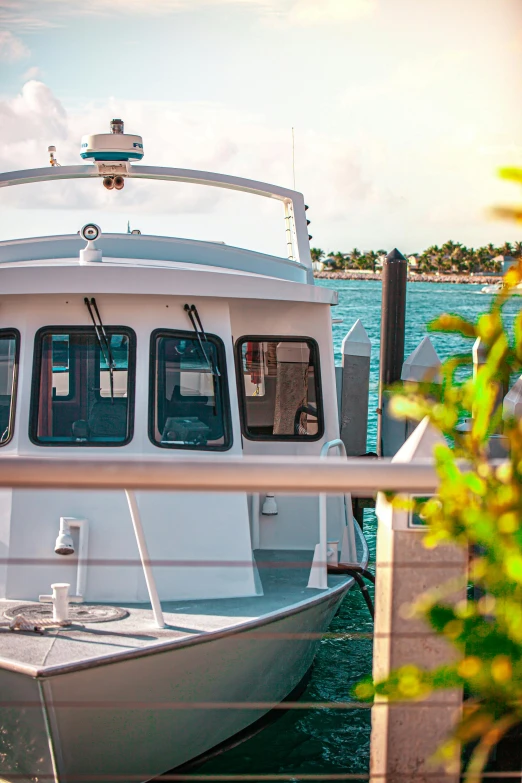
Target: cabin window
(189, 406)
(279, 388)
(9, 347)
(83, 387)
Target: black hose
(358, 572)
(365, 594)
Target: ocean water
(323, 741)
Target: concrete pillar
(480, 354)
(511, 408)
(356, 350)
(512, 405)
(423, 364)
(405, 736)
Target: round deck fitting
(78, 613)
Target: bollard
(479, 354)
(356, 350)
(393, 319)
(60, 599)
(406, 735)
(498, 446)
(423, 364)
(512, 406)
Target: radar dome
(113, 146)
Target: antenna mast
(293, 154)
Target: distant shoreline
(413, 278)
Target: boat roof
(155, 265)
(222, 270)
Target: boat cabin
(140, 346)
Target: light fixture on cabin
(269, 506)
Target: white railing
(295, 215)
(319, 572)
(306, 475)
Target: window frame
(314, 347)
(12, 333)
(35, 385)
(228, 433)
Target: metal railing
(310, 475)
(319, 572)
(306, 475)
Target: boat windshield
(72, 402)
(189, 407)
(279, 386)
(8, 361)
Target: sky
(402, 110)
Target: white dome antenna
(112, 153)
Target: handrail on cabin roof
(295, 215)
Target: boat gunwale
(43, 672)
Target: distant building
(505, 262)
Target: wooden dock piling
(393, 321)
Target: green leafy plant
(478, 507)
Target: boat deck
(284, 575)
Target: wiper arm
(104, 343)
(193, 314)
(198, 319)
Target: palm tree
(506, 249)
(337, 260)
(492, 250)
(317, 254)
(517, 249)
(481, 258)
(354, 255)
(432, 259)
(372, 257)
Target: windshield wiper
(194, 316)
(103, 341)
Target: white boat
(130, 346)
(491, 288)
(496, 288)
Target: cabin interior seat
(198, 406)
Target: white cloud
(311, 12)
(35, 14)
(32, 73)
(190, 135)
(369, 191)
(12, 48)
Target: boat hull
(134, 718)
